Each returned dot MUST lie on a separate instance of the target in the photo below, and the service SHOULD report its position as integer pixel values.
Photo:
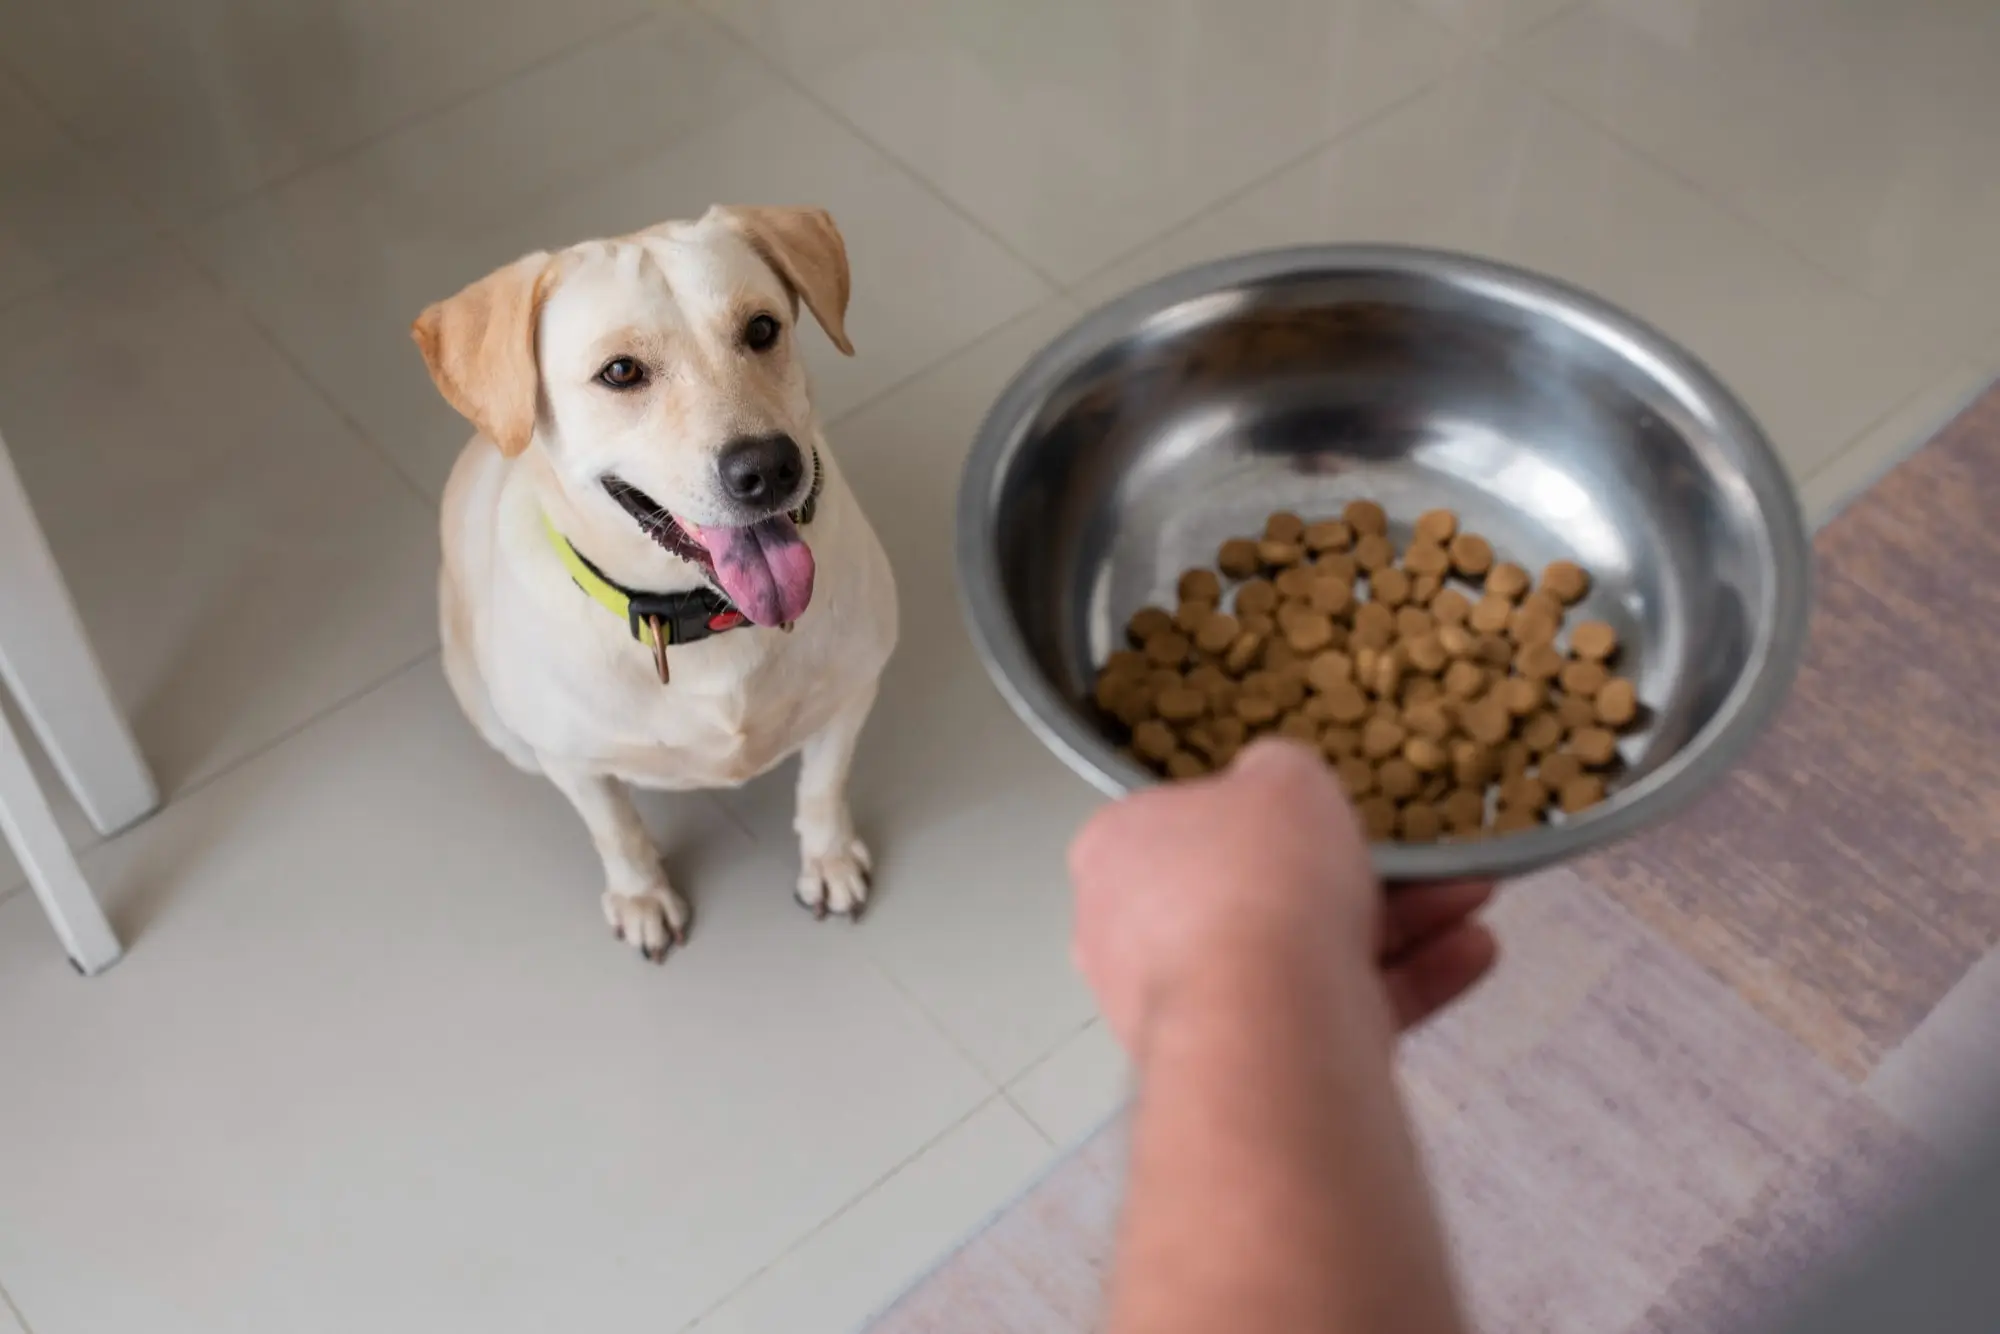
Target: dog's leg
(638, 902)
(834, 862)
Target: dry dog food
(1446, 686)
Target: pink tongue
(766, 570)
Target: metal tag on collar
(659, 630)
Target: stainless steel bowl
(1187, 411)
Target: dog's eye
(622, 373)
(761, 332)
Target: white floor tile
(660, 123)
(863, 1260)
(1079, 131)
(1495, 20)
(194, 103)
(241, 560)
(1485, 165)
(375, 1062)
(9, 1323)
(969, 817)
(1077, 1087)
(1868, 136)
(58, 211)
(1902, 433)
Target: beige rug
(1713, 1057)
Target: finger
(1439, 972)
(1415, 914)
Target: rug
(1712, 1057)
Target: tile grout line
(207, 213)
(243, 310)
(311, 720)
(7, 1302)
(155, 230)
(1299, 159)
(1061, 294)
(879, 396)
(174, 240)
(854, 1201)
(1490, 42)
(1984, 374)
(839, 118)
(1728, 206)
(937, 1025)
(660, 9)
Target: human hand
(1262, 867)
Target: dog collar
(663, 620)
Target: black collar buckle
(681, 618)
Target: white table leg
(31, 830)
(55, 677)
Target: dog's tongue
(766, 569)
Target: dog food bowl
(1556, 426)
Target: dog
(654, 575)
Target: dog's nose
(763, 468)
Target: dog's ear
(480, 349)
(805, 249)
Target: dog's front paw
(836, 881)
(651, 919)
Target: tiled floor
(373, 1062)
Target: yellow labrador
(653, 572)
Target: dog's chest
(718, 730)
(735, 709)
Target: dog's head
(660, 372)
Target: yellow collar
(655, 619)
(658, 620)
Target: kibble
(1199, 585)
(1366, 517)
(1329, 535)
(1413, 622)
(1595, 746)
(1451, 607)
(1446, 686)
(1238, 558)
(1398, 779)
(1491, 614)
(1436, 526)
(1382, 737)
(1507, 579)
(1581, 793)
(1566, 581)
(1594, 640)
(1217, 631)
(1279, 555)
(1428, 560)
(1147, 622)
(1374, 552)
(1181, 704)
(1356, 775)
(1471, 555)
(1617, 703)
(1258, 597)
(1583, 678)
(1559, 770)
(1420, 822)
(1285, 527)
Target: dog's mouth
(764, 567)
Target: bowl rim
(1779, 627)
